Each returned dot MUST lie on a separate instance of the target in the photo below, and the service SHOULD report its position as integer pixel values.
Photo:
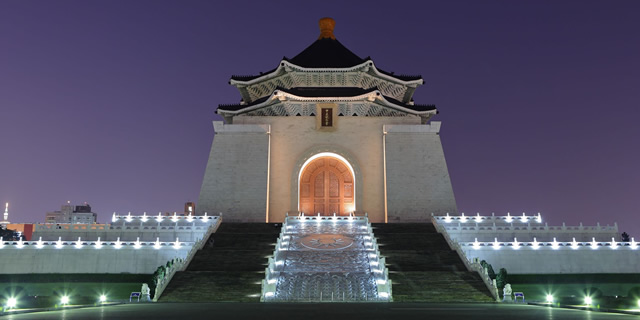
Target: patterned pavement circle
(326, 242)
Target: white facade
(132, 244)
(254, 166)
(526, 245)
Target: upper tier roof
(326, 53)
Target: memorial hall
(327, 132)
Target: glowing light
(98, 243)
(113, 218)
(476, 244)
(594, 244)
(175, 217)
(555, 245)
(588, 300)
(39, 244)
(539, 218)
(516, 244)
(59, 243)
(12, 302)
(638, 303)
(478, 218)
(523, 219)
(159, 217)
(535, 245)
(574, 244)
(372, 255)
(157, 244)
(367, 244)
(128, 218)
(463, 219)
(78, 244)
(614, 244)
(634, 244)
(103, 298)
(176, 244)
(383, 295)
(509, 218)
(190, 218)
(381, 281)
(272, 281)
(374, 263)
(137, 245)
(144, 217)
(118, 244)
(20, 244)
(549, 298)
(496, 244)
(269, 294)
(64, 300)
(447, 219)
(1, 243)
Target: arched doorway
(326, 186)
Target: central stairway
(423, 268)
(326, 259)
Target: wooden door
(326, 186)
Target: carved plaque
(326, 117)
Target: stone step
(217, 286)
(230, 267)
(440, 286)
(423, 268)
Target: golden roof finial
(326, 28)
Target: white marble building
(325, 132)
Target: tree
(625, 237)
(9, 235)
(502, 278)
(486, 265)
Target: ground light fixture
(588, 301)
(549, 298)
(64, 300)
(12, 303)
(103, 298)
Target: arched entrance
(326, 186)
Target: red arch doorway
(327, 187)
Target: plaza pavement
(324, 311)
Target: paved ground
(238, 311)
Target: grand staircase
(423, 268)
(229, 268)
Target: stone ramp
(229, 267)
(423, 268)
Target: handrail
(182, 265)
(491, 285)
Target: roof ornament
(326, 28)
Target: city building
(73, 214)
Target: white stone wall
(295, 139)
(235, 180)
(418, 181)
(150, 230)
(87, 259)
(565, 260)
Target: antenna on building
(6, 213)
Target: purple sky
(111, 102)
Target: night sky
(111, 102)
